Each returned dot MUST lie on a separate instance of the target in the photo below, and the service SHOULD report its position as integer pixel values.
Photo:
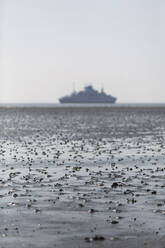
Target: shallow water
(68, 174)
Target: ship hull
(86, 102)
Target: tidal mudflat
(82, 177)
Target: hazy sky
(46, 45)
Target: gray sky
(46, 45)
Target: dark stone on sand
(154, 192)
(98, 238)
(115, 185)
(114, 222)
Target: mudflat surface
(82, 177)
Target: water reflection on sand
(82, 177)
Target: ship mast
(74, 87)
(102, 88)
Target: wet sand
(82, 177)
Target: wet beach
(82, 176)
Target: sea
(58, 105)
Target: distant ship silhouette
(88, 95)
